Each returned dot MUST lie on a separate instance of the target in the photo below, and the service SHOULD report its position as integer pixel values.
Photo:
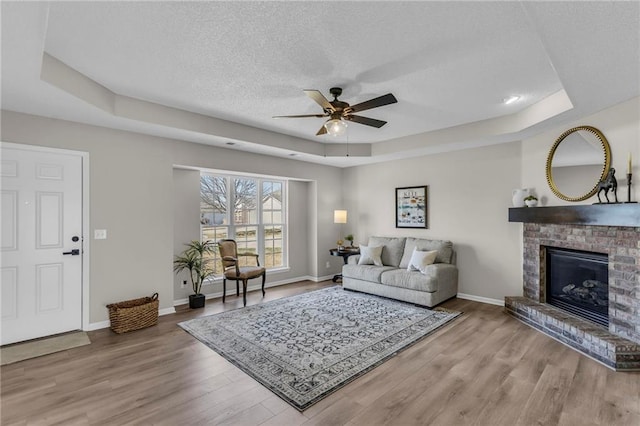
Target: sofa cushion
(365, 272)
(421, 259)
(412, 280)
(393, 248)
(445, 250)
(370, 255)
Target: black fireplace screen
(578, 282)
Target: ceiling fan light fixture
(336, 127)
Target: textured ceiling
(449, 64)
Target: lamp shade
(339, 216)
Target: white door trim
(85, 217)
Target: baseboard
(320, 279)
(167, 311)
(98, 325)
(481, 299)
(106, 324)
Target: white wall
(619, 124)
(186, 221)
(132, 178)
(469, 194)
(132, 196)
(299, 228)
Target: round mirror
(578, 160)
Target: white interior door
(41, 262)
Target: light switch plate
(99, 234)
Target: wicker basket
(133, 314)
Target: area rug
(304, 347)
(35, 348)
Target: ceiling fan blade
(365, 120)
(374, 103)
(300, 116)
(322, 131)
(320, 99)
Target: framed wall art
(411, 207)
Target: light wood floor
(485, 368)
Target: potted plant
(531, 201)
(196, 259)
(350, 239)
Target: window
(247, 209)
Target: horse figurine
(608, 184)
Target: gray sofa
(438, 283)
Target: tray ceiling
(216, 72)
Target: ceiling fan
(339, 111)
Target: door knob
(74, 252)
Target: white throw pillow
(421, 259)
(370, 255)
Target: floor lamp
(340, 217)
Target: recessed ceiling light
(510, 99)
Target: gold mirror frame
(605, 167)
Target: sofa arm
(353, 259)
(444, 273)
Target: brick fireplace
(617, 346)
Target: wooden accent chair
(233, 271)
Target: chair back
(228, 248)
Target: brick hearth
(619, 346)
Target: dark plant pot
(196, 301)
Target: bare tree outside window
(214, 193)
(245, 201)
(214, 222)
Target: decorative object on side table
(350, 239)
(411, 207)
(518, 197)
(340, 217)
(609, 183)
(531, 201)
(196, 258)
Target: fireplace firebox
(578, 282)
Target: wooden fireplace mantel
(623, 214)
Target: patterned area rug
(304, 347)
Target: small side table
(345, 253)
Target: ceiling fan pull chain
(347, 142)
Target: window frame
(230, 219)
